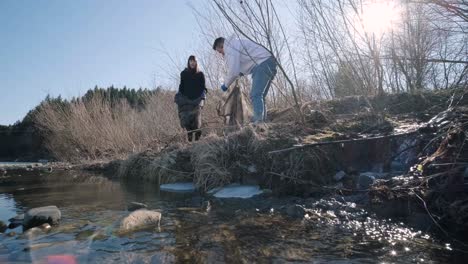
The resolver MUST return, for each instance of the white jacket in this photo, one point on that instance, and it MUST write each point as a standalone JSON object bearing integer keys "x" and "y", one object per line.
{"x": 242, "y": 55}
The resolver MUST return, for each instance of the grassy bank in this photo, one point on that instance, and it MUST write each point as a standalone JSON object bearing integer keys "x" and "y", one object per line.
{"x": 293, "y": 155}
{"x": 245, "y": 156}
{"x": 430, "y": 146}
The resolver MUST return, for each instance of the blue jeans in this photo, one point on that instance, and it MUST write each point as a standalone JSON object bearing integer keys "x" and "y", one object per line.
{"x": 262, "y": 76}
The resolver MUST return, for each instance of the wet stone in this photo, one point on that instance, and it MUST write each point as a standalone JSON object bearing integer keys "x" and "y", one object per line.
{"x": 40, "y": 215}
{"x": 140, "y": 219}
{"x": 16, "y": 221}
{"x": 3, "y": 227}
{"x": 18, "y": 218}
{"x": 296, "y": 211}
{"x": 14, "y": 225}
{"x": 365, "y": 180}
{"x": 339, "y": 175}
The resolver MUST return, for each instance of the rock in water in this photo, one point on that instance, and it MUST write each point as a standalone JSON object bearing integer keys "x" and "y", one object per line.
{"x": 339, "y": 175}
{"x": 14, "y": 225}
{"x": 18, "y": 218}
{"x": 133, "y": 206}
{"x": 140, "y": 219}
{"x": 3, "y": 227}
{"x": 16, "y": 221}
{"x": 296, "y": 211}
{"x": 365, "y": 181}
{"x": 41, "y": 215}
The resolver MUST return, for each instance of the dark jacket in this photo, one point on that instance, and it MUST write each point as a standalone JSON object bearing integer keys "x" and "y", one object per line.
{"x": 189, "y": 111}
{"x": 192, "y": 84}
{"x": 185, "y": 104}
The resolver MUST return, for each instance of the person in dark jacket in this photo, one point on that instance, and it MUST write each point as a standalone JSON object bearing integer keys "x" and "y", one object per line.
{"x": 191, "y": 98}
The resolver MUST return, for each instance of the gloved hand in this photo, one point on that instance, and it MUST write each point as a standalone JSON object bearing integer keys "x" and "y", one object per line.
{"x": 224, "y": 87}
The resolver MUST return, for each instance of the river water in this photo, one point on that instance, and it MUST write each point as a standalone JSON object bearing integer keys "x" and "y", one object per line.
{"x": 233, "y": 231}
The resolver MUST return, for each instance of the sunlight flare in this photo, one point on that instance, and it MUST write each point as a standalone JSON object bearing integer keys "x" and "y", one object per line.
{"x": 378, "y": 17}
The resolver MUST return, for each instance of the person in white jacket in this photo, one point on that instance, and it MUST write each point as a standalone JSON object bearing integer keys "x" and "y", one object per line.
{"x": 245, "y": 57}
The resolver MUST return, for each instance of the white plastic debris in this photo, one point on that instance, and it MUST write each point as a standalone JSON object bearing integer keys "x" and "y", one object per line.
{"x": 178, "y": 187}
{"x": 238, "y": 191}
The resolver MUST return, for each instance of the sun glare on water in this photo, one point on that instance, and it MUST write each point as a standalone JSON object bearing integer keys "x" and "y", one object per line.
{"x": 378, "y": 17}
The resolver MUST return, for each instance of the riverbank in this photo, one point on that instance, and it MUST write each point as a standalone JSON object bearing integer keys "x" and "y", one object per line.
{"x": 383, "y": 153}
{"x": 355, "y": 149}
{"x": 352, "y": 135}
{"x": 14, "y": 168}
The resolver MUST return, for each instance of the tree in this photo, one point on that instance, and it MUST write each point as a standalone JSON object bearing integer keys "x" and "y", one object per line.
{"x": 345, "y": 84}
{"x": 454, "y": 8}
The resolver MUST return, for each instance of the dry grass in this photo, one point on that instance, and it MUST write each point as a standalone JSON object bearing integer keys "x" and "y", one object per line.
{"x": 210, "y": 116}
{"x": 216, "y": 160}
{"x": 165, "y": 167}
{"x": 95, "y": 129}
{"x": 239, "y": 157}
{"x": 210, "y": 163}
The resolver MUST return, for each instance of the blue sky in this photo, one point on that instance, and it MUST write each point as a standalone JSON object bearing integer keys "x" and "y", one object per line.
{"x": 65, "y": 47}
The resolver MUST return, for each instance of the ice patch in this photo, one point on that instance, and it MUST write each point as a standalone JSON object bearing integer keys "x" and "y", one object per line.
{"x": 178, "y": 187}
{"x": 238, "y": 191}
